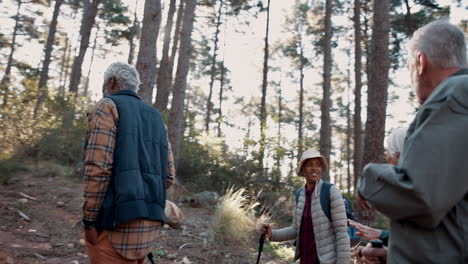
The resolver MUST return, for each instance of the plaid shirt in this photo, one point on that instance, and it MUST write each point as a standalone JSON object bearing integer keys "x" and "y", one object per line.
{"x": 133, "y": 239}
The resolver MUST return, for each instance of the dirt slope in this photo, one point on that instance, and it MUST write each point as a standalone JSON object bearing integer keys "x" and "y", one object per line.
{"x": 52, "y": 235}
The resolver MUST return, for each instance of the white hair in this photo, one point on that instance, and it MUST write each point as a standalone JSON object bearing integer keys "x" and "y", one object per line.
{"x": 125, "y": 75}
{"x": 443, "y": 43}
{"x": 396, "y": 140}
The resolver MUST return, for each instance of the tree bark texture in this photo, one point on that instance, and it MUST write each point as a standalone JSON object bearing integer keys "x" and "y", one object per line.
{"x": 43, "y": 91}
{"x": 5, "y": 83}
{"x": 378, "y": 85}
{"x": 165, "y": 88}
{"x": 263, "y": 113}
{"x": 300, "y": 137}
{"x": 176, "y": 117}
{"x": 133, "y": 34}
{"x": 209, "y": 104}
{"x": 146, "y": 62}
{"x": 221, "y": 91}
{"x": 357, "y": 154}
{"x": 164, "y": 72}
{"x": 325, "y": 128}
{"x": 89, "y": 17}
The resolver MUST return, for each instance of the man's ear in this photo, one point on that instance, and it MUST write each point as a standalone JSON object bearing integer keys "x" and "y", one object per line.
{"x": 421, "y": 62}
{"x": 112, "y": 83}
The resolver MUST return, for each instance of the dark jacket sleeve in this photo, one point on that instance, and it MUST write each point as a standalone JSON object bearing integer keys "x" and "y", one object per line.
{"x": 431, "y": 177}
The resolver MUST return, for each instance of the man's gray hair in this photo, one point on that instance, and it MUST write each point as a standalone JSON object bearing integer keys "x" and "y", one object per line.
{"x": 126, "y": 76}
{"x": 443, "y": 43}
{"x": 396, "y": 140}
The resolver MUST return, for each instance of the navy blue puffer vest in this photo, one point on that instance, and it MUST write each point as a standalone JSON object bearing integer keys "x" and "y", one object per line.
{"x": 138, "y": 185}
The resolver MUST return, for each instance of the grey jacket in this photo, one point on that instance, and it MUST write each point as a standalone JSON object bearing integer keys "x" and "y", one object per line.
{"x": 331, "y": 238}
{"x": 426, "y": 195}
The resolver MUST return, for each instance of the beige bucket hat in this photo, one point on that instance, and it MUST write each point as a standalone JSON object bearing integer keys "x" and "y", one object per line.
{"x": 310, "y": 154}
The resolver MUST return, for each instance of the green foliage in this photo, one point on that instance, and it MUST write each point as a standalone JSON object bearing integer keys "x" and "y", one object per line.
{"x": 280, "y": 251}
{"x": 26, "y": 137}
{"x": 10, "y": 167}
{"x": 403, "y": 24}
{"x": 205, "y": 164}
{"x": 23, "y": 207}
{"x": 113, "y": 13}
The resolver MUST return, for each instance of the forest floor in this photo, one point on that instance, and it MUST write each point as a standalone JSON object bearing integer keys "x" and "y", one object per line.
{"x": 52, "y": 235}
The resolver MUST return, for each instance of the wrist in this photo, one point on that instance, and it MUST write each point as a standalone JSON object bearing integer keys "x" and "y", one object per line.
{"x": 87, "y": 225}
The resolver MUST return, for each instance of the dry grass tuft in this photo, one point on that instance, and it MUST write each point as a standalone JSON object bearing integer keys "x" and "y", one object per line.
{"x": 234, "y": 218}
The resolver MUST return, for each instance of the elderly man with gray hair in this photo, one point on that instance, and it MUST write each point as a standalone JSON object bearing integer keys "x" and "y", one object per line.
{"x": 126, "y": 169}
{"x": 426, "y": 194}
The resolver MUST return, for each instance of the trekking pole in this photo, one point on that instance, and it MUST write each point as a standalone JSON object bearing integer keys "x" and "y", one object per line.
{"x": 151, "y": 257}
{"x": 260, "y": 247}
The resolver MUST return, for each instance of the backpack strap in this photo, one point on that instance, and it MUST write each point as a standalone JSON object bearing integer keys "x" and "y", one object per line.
{"x": 325, "y": 199}
{"x": 297, "y": 194}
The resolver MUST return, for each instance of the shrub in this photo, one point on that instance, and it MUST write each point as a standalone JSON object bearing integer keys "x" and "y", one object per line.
{"x": 283, "y": 251}
{"x": 8, "y": 168}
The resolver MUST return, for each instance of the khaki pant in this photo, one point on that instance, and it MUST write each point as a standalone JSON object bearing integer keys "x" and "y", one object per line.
{"x": 102, "y": 252}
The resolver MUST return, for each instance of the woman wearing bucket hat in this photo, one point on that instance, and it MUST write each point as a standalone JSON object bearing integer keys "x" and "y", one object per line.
{"x": 320, "y": 239}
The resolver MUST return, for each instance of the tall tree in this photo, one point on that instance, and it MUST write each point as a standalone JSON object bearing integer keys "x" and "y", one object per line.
{"x": 357, "y": 154}
{"x": 349, "y": 133}
{"x": 146, "y": 63}
{"x": 221, "y": 97}
{"x": 176, "y": 114}
{"x": 93, "y": 51}
{"x": 133, "y": 33}
{"x": 67, "y": 67}
{"x": 209, "y": 104}
{"x": 64, "y": 63}
{"x": 5, "y": 83}
{"x": 43, "y": 91}
{"x": 164, "y": 90}
{"x": 263, "y": 113}
{"x": 87, "y": 23}
{"x": 325, "y": 127}
{"x": 162, "y": 84}
{"x": 378, "y": 84}
{"x": 294, "y": 49}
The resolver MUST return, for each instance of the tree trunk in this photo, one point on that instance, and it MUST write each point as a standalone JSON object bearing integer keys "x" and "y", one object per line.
{"x": 93, "y": 51}
{"x": 209, "y": 105}
{"x": 146, "y": 63}
{"x": 378, "y": 84}
{"x": 43, "y": 91}
{"x": 165, "y": 88}
{"x": 357, "y": 156}
{"x": 325, "y": 128}
{"x": 164, "y": 71}
{"x": 409, "y": 24}
{"x": 300, "y": 139}
{"x": 133, "y": 32}
{"x": 280, "y": 116}
{"x": 5, "y": 83}
{"x": 62, "y": 69}
{"x": 349, "y": 132}
{"x": 89, "y": 16}
{"x": 67, "y": 67}
{"x": 366, "y": 37}
{"x": 180, "y": 85}
{"x": 221, "y": 91}
{"x": 263, "y": 113}
{"x": 247, "y": 138}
